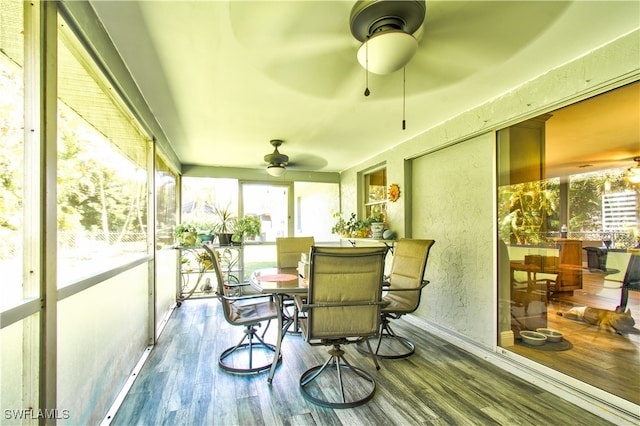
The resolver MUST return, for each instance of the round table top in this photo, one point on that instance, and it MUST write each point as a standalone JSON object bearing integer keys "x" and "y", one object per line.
{"x": 276, "y": 277}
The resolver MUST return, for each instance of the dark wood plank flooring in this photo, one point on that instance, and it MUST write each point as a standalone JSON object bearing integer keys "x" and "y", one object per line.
{"x": 439, "y": 385}
{"x": 604, "y": 359}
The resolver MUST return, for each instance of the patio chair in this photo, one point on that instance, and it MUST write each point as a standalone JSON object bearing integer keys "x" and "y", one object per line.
{"x": 631, "y": 280}
{"x": 402, "y": 296}
{"x": 247, "y": 311}
{"x": 342, "y": 307}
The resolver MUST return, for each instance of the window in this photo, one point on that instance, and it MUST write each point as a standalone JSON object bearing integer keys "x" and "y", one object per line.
{"x": 19, "y": 350}
{"x": 202, "y": 196}
{"x": 102, "y": 177}
{"x": 375, "y": 193}
{"x": 166, "y": 203}
{"x": 11, "y": 152}
{"x": 561, "y": 189}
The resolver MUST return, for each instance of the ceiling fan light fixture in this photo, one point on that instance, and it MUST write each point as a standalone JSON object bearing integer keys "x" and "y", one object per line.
{"x": 387, "y": 51}
{"x": 385, "y": 28}
{"x": 276, "y": 170}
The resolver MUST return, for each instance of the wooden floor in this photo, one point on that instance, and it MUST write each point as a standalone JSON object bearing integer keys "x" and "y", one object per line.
{"x": 606, "y": 360}
{"x": 181, "y": 384}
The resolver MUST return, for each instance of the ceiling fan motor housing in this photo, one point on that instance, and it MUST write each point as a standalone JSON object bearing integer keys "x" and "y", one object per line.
{"x": 369, "y": 17}
{"x": 276, "y": 158}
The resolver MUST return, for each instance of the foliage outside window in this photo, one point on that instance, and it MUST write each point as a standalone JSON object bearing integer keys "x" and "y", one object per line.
{"x": 11, "y": 153}
{"x": 101, "y": 171}
{"x": 165, "y": 203}
{"x": 588, "y": 210}
{"x": 527, "y": 211}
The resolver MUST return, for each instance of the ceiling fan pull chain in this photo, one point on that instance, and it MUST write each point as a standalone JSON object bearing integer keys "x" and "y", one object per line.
{"x": 404, "y": 97}
{"x": 366, "y": 71}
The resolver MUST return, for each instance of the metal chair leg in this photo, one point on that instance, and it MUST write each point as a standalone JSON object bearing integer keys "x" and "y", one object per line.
{"x": 314, "y": 392}
{"x": 249, "y": 334}
{"x": 403, "y": 347}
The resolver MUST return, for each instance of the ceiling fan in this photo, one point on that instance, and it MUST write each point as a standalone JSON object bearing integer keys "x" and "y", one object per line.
{"x": 310, "y": 46}
{"x": 276, "y": 162}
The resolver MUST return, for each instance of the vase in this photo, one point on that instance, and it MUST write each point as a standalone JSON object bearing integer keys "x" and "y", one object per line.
{"x": 377, "y": 228}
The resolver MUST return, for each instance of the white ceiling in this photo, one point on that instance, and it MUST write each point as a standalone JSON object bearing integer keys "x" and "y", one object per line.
{"x": 225, "y": 77}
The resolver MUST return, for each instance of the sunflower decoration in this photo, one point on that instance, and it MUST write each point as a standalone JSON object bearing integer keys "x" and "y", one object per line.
{"x": 394, "y": 192}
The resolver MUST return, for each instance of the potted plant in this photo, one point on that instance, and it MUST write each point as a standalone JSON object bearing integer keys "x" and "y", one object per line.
{"x": 246, "y": 227}
{"x": 206, "y": 231}
{"x": 343, "y": 227}
{"x": 204, "y": 261}
{"x": 224, "y": 228}
{"x": 186, "y": 234}
{"x": 350, "y": 228}
{"x": 376, "y": 223}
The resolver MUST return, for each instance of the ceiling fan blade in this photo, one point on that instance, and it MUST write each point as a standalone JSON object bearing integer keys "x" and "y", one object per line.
{"x": 453, "y": 44}
{"x": 306, "y": 46}
{"x": 308, "y": 162}
{"x": 293, "y": 28}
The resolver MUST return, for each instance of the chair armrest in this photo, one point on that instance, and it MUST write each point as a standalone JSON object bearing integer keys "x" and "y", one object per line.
{"x": 422, "y": 285}
{"x": 246, "y": 297}
{"x": 306, "y": 306}
{"x": 299, "y": 302}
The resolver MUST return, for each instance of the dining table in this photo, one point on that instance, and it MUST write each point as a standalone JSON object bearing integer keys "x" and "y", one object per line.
{"x": 281, "y": 283}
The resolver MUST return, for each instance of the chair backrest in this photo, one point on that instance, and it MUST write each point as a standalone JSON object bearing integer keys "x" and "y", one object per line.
{"x": 631, "y": 279}
{"x": 220, "y": 288}
{"x": 345, "y": 291}
{"x": 596, "y": 258}
{"x": 407, "y": 272}
{"x": 545, "y": 263}
{"x": 288, "y": 250}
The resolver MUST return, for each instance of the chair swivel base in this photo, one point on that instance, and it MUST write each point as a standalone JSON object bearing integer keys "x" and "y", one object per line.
{"x": 354, "y": 385}
{"x": 388, "y": 344}
{"x": 389, "y": 347}
{"x": 243, "y": 362}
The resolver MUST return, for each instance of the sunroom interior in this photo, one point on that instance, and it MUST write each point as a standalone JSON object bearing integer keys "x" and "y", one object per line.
{"x": 100, "y": 168}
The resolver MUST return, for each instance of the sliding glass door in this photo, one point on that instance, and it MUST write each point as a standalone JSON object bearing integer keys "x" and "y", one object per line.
{"x": 269, "y": 203}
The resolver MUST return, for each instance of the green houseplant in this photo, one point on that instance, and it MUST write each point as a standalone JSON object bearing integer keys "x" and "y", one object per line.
{"x": 186, "y": 234}
{"x": 224, "y": 227}
{"x": 246, "y": 227}
{"x": 351, "y": 227}
{"x": 206, "y": 231}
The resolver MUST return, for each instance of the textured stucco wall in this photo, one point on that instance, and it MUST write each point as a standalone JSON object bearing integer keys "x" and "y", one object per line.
{"x": 454, "y": 178}
{"x": 452, "y": 204}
